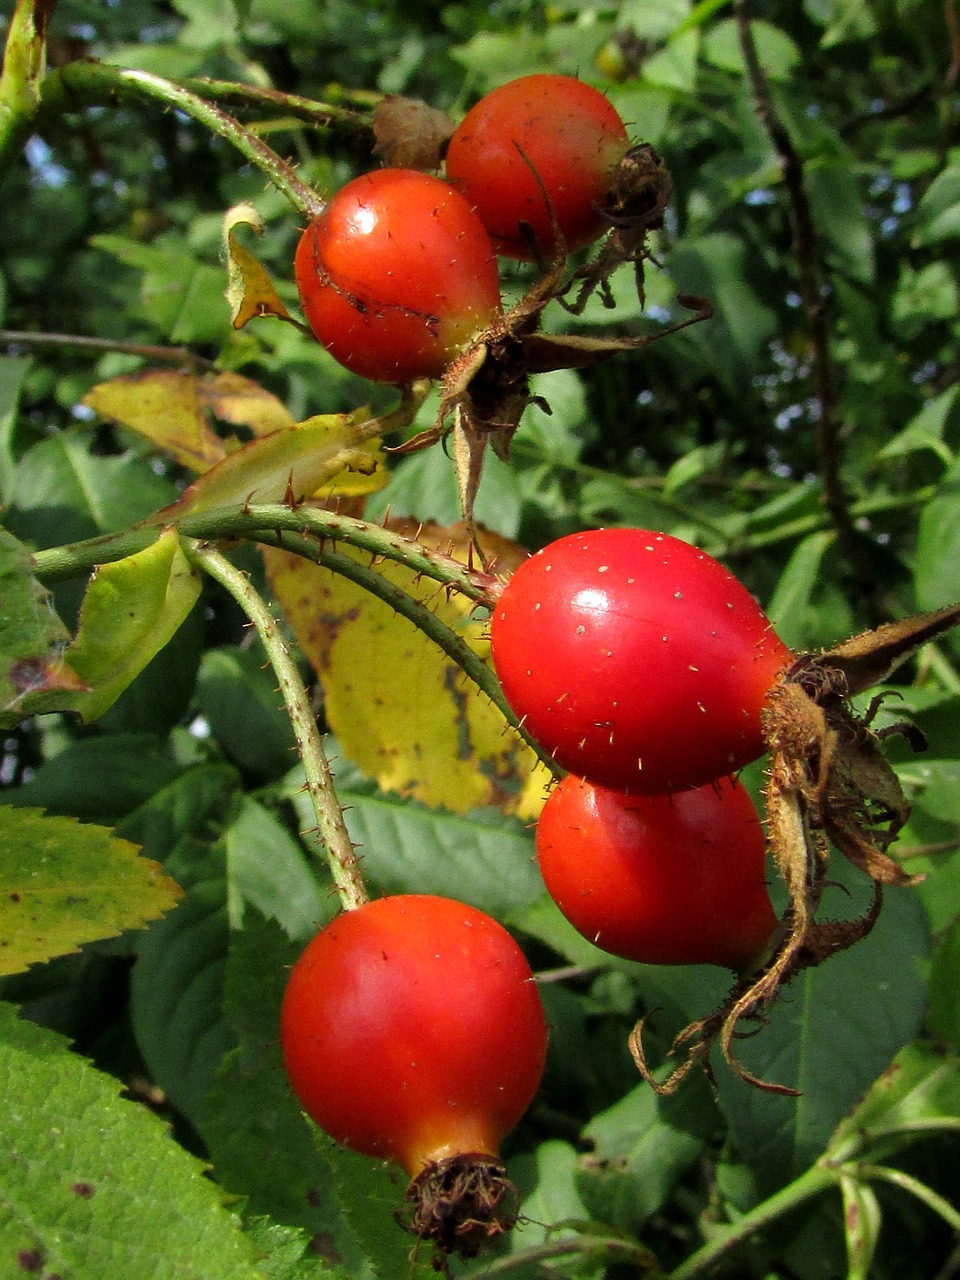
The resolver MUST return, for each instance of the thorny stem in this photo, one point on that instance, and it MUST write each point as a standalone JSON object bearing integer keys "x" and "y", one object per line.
{"x": 809, "y": 261}
{"x": 424, "y": 619}
{"x": 331, "y": 829}
{"x": 75, "y": 559}
{"x": 293, "y": 105}
{"x": 312, "y": 532}
{"x": 95, "y": 81}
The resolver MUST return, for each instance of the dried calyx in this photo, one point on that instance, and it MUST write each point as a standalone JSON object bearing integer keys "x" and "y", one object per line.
{"x": 829, "y": 786}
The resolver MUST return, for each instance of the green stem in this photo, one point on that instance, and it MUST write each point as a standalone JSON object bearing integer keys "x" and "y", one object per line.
{"x": 611, "y": 1248}
{"x": 181, "y": 356}
{"x": 907, "y": 1182}
{"x": 817, "y": 1179}
{"x": 76, "y": 559}
{"x": 417, "y": 613}
{"x": 308, "y": 110}
{"x": 80, "y": 82}
{"x": 330, "y": 829}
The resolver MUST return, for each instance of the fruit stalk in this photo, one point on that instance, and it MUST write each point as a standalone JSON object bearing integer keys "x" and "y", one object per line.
{"x": 331, "y": 828}
{"x": 95, "y": 81}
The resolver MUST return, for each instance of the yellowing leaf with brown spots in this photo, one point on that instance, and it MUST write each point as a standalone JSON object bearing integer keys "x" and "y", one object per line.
{"x": 399, "y": 707}
{"x": 175, "y": 410}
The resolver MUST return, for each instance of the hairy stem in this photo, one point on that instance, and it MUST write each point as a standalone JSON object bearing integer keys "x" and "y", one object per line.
{"x": 274, "y": 519}
{"x": 330, "y": 829}
{"x": 80, "y": 82}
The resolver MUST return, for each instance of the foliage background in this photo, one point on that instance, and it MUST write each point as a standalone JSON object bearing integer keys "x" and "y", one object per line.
{"x": 827, "y": 477}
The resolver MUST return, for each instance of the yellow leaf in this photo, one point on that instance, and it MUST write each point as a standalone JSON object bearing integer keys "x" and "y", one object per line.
{"x": 166, "y": 407}
{"x": 287, "y": 465}
{"x": 172, "y": 409}
{"x": 400, "y": 708}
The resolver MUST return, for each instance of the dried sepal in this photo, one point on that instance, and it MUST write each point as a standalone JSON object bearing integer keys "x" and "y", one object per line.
{"x": 829, "y": 786}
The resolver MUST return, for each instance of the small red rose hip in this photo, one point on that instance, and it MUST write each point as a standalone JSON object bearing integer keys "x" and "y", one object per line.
{"x": 540, "y": 144}
{"x": 665, "y": 879}
{"x": 397, "y": 276}
{"x": 413, "y": 1031}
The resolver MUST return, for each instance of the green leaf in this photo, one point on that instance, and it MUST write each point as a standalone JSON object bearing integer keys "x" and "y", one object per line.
{"x": 799, "y": 584}
{"x": 480, "y": 858}
{"x": 33, "y": 673}
{"x": 266, "y": 868}
{"x": 91, "y": 1185}
{"x": 778, "y": 53}
{"x": 938, "y": 211}
{"x": 926, "y": 429}
{"x": 184, "y": 298}
{"x": 13, "y": 371}
{"x": 92, "y": 778}
{"x": 238, "y": 696}
{"x": 371, "y": 1192}
{"x": 63, "y": 883}
{"x": 642, "y": 1146}
{"x": 839, "y": 212}
{"x": 177, "y": 983}
{"x": 944, "y": 1016}
{"x": 131, "y": 609}
{"x": 830, "y": 1035}
{"x": 918, "y": 1093}
{"x": 936, "y": 579}
{"x": 550, "y": 1197}
{"x": 715, "y": 266}
{"x": 260, "y": 1144}
{"x": 64, "y": 492}
{"x": 675, "y": 66}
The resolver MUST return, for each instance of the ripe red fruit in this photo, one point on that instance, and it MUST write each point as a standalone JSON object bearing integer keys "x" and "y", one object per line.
{"x": 397, "y": 275}
{"x": 412, "y": 1031}
{"x": 636, "y": 659}
{"x": 540, "y": 142}
{"x": 665, "y": 879}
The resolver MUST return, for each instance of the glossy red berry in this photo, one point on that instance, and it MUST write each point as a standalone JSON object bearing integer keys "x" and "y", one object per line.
{"x": 540, "y": 145}
{"x": 397, "y": 275}
{"x": 637, "y": 660}
{"x": 664, "y": 879}
{"x": 412, "y": 1030}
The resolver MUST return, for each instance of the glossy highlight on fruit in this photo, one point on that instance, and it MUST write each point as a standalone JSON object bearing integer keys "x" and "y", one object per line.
{"x": 538, "y": 143}
{"x": 663, "y": 879}
{"x": 635, "y": 659}
{"x": 413, "y": 1031}
{"x": 397, "y": 275}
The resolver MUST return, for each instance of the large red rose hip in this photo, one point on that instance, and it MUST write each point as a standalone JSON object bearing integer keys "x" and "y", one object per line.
{"x": 539, "y": 149}
{"x": 635, "y": 659}
{"x": 664, "y": 879}
{"x": 397, "y": 276}
{"x": 412, "y": 1030}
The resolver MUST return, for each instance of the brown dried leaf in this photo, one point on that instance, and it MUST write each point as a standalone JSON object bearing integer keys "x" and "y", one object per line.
{"x": 871, "y": 656}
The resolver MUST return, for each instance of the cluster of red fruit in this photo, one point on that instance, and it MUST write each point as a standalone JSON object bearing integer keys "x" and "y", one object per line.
{"x": 642, "y": 664}
{"x": 412, "y": 1029}
{"x": 398, "y": 274}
